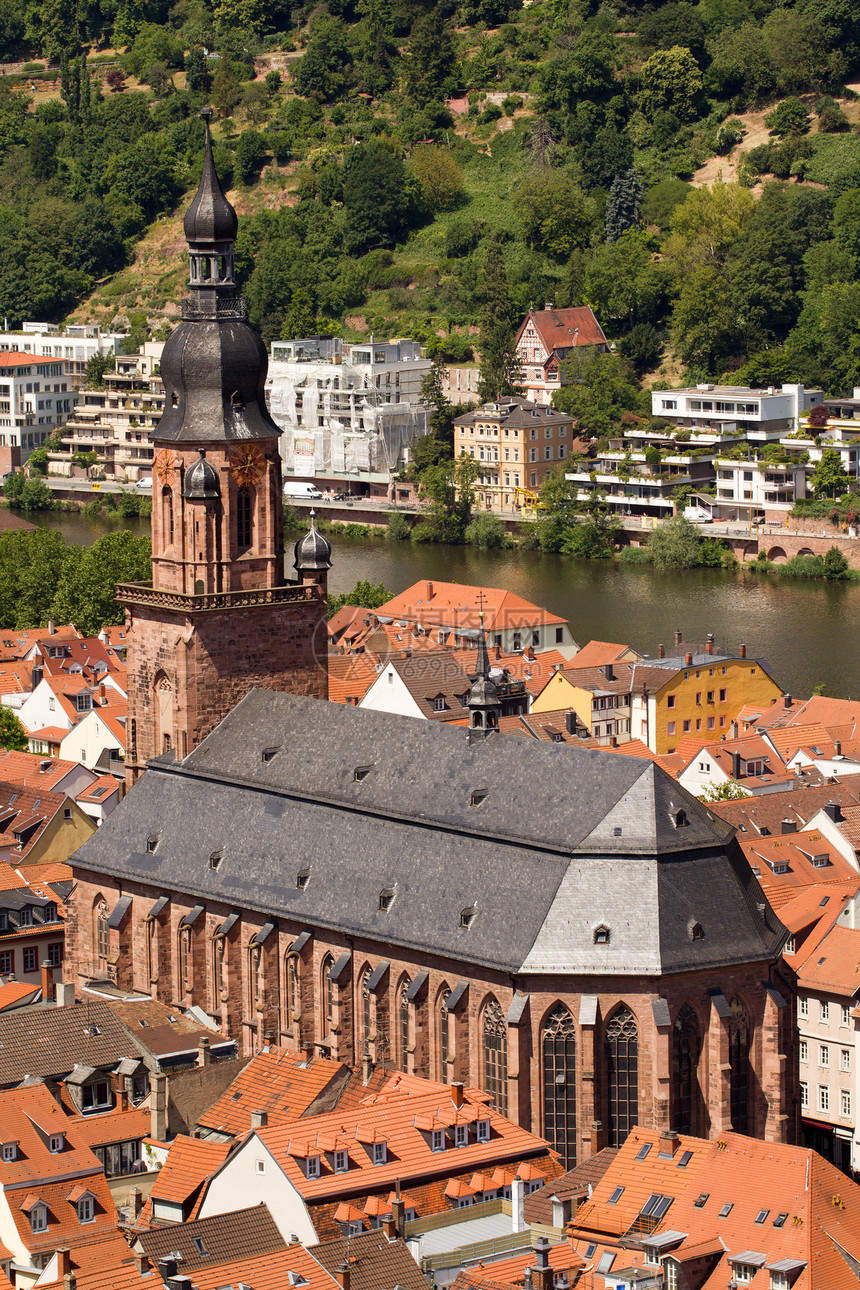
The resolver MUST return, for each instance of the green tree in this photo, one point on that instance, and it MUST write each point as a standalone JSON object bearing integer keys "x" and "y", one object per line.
{"x": 705, "y": 330}
{"x": 13, "y": 736}
{"x": 623, "y": 205}
{"x": 300, "y": 319}
{"x": 706, "y": 226}
{"x": 30, "y": 567}
{"x": 790, "y": 117}
{"x": 729, "y": 791}
{"x": 835, "y": 565}
{"x": 557, "y": 216}
{"x": 38, "y": 461}
{"x": 250, "y": 155}
{"x": 441, "y": 409}
{"x": 449, "y": 487}
{"x": 243, "y": 18}
{"x": 429, "y": 60}
{"x": 671, "y": 82}
{"x": 381, "y": 199}
{"x": 364, "y": 595}
{"x": 196, "y": 72}
{"x": 37, "y": 496}
{"x": 439, "y": 176}
{"x": 597, "y": 392}
{"x": 226, "y": 92}
{"x": 558, "y": 513}
{"x": 488, "y": 531}
{"x": 86, "y": 590}
{"x": 324, "y": 67}
{"x": 498, "y": 329}
{"x": 377, "y": 46}
{"x": 13, "y": 487}
{"x": 674, "y": 544}
{"x": 829, "y": 478}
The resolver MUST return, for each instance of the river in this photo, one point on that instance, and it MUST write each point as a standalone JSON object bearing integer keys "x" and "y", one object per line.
{"x": 807, "y": 631}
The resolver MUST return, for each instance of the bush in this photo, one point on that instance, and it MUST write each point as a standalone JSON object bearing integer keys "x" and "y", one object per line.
{"x": 835, "y": 565}
{"x": 636, "y": 555}
{"x": 399, "y": 528}
{"x": 492, "y": 112}
{"x": 487, "y": 530}
{"x": 803, "y": 566}
{"x": 37, "y": 496}
{"x": 675, "y": 544}
{"x": 511, "y": 103}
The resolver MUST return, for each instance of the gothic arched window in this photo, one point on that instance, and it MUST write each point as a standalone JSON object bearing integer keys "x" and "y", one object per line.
{"x": 622, "y": 1070}
{"x": 365, "y": 1006}
{"x": 495, "y": 1055}
{"x": 739, "y": 1063}
{"x": 558, "y": 1051}
{"x": 326, "y": 996}
{"x": 403, "y": 1025}
{"x": 167, "y": 516}
{"x": 244, "y": 509}
{"x": 442, "y": 1031}
{"x": 686, "y": 1048}
{"x": 101, "y": 935}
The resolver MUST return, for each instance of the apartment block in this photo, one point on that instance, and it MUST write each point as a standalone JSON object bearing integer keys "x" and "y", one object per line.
{"x": 518, "y": 443}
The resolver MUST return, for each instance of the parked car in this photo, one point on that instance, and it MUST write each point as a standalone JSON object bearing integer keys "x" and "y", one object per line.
{"x": 697, "y": 514}
{"x": 301, "y": 491}
{"x": 144, "y": 485}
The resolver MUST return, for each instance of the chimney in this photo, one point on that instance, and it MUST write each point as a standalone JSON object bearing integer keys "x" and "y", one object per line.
{"x": 166, "y": 1267}
{"x": 429, "y": 590}
{"x": 709, "y": 644}
{"x": 457, "y": 1093}
{"x": 498, "y": 651}
{"x": 669, "y": 1142}
{"x": 613, "y": 741}
{"x": 142, "y": 1263}
{"x": 342, "y": 1275}
{"x": 179, "y": 1282}
{"x": 833, "y": 811}
{"x": 134, "y": 1204}
{"x": 366, "y": 1068}
{"x": 204, "y": 1054}
{"x": 64, "y": 1261}
{"x": 678, "y": 636}
{"x": 661, "y": 651}
{"x": 518, "y": 1196}
{"x": 837, "y": 747}
{"x": 158, "y": 1108}
{"x": 540, "y": 1269}
{"x": 70, "y": 1281}
{"x": 598, "y": 1137}
{"x": 65, "y": 993}
{"x": 530, "y": 651}
{"x": 398, "y": 1213}
{"x": 560, "y": 1212}
{"x": 688, "y": 659}
{"x": 786, "y": 700}
{"x": 102, "y": 692}
{"x": 121, "y": 1100}
{"x": 47, "y": 981}
{"x": 788, "y": 826}
{"x": 388, "y": 1228}
{"x": 733, "y": 730}
{"x": 259, "y": 1119}
{"x": 570, "y": 722}
{"x": 736, "y": 765}
{"x": 609, "y": 672}
{"x": 742, "y": 651}
{"x": 51, "y": 628}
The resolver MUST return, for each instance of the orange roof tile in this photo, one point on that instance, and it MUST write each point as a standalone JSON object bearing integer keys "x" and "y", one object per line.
{"x": 13, "y": 994}
{"x": 189, "y": 1163}
{"x": 282, "y": 1083}
{"x": 32, "y": 770}
{"x": 453, "y": 604}
{"x": 104, "y": 1262}
{"x": 15, "y": 642}
{"x": 598, "y": 653}
{"x": 835, "y": 964}
{"x": 563, "y": 329}
{"x": 15, "y": 358}
{"x": 266, "y": 1272}
{"x": 350, "y": 676}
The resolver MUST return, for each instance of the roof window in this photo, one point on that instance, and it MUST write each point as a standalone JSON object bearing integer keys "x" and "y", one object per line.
{"x": 726, "y": 1210}
{"x": 655, "y": 1206}
{"x": 616, "y": 1196}
{"x": 386, "y": 899}
{"x": 467, "y": 916}
{"x": 761, "y": 1216}
{"x": 269, "y": 754}
{"x": 601, "y": 935}
{"x": 779, "y": 1221}
{"x": 200, "y": 1246}
{"x": 643, "y": 1151}
{"x": 302, "y": 879}
{"x": 686, "y": 1157}
{"x": 701, "y": 1200}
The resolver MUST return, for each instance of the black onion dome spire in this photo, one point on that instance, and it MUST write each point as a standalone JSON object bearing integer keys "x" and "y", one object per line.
{"x": 214, "y": 364}
{"x": 313, "y": 551}
{"x": 210, "y": 217}
{"x": 483, "y": 702}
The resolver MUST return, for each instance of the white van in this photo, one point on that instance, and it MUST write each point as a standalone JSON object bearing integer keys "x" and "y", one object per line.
{"x": 144, "y": 484}
{"x": 300, "y": 491}
{"x": 697, "y": 514}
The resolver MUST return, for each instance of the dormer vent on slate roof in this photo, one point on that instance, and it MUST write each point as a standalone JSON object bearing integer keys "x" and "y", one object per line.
{"x": 152, "y": 844}
{"x": 215, "y": 860}
{"x": 360, "y": 773}
{"x": 269, "y": 754}
{"x": 478, "y": 796}
{"x": 695, "y": 930}
{"x": 386, "y": 898}
{"x": 467, "y": 916}
{"x": 302, "y": 879}
{"x": 679, "y": 820}
{"x": 602, "y": 934}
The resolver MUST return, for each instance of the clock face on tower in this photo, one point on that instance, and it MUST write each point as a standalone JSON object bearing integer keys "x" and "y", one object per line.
{"x": 164, "y": 466}
{"x": 247, "y": 465}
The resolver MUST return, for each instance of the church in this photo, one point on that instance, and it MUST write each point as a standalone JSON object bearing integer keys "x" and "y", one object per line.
{"x": 567, "y": 929}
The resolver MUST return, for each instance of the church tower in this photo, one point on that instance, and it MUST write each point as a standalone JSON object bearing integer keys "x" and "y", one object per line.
{"x": 218, "y": 616}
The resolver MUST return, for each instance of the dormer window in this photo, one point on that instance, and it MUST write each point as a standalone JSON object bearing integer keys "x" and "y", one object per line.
{"x": 312, "y": 1167}
{"x": 56, "y": 1142}
{"x": 437, "y": 1140}
{"x": 215, "y": 860}
{"x": 380, "y": 1153}
{"x": 25, "y": 917}
{"x": 152, "y": 844}
{"x": 386, "y": 899}
{"x": 680, "y": 820}
{"x": 341, "y": 1162}
{"x": 482, "y": 1130}
{"x": 269, "y": 754}
{"x": 39, "y": 1218}
{"x": 83, "y": 702}
{"x": 360, "y": 773}
{"x": 601, "y": 935}
{"x": 467, "y": 916}
{"x": 86, "y": 1211}
{"x": 461, "y": 1135}
{"x": 697, "y": 931}
{"x": 10, "y": 1151}
{"x": 302, "y": 879}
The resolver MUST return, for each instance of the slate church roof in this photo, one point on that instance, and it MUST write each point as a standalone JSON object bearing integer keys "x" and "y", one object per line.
{"x": 547, "y": 846}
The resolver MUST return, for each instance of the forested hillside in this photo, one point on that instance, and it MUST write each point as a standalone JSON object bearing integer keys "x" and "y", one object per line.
{"x": 384, "y": 153}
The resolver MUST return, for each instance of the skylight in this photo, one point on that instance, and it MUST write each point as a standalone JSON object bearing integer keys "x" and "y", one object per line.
{"x": 643, "y": 1150}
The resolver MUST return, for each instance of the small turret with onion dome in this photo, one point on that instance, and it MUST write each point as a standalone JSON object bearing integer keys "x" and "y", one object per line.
{"x": 313, "y": 556}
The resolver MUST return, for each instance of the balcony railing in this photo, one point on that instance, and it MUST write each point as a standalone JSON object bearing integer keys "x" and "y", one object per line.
{"x": 143, "y": 593}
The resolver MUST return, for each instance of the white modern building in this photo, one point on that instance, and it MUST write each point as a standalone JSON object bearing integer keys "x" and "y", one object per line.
{"x": 35, "y": 397}
{"x": 757, "y": 414}
{"x": 346, "y": 409}
{"x": 75, "y": 344}
{"x": 757, "y": 489}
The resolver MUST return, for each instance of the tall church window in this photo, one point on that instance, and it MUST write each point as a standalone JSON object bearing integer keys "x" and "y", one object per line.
{"x": 686, "y": 1048}
{"x": 365, "y": 1008}
{"x": 622, "y": 1070}
{"x": 184, "y": 947}
{"x": 442, "y": 1032}
{"x": 100, "y": 928}
{"x": 217, "y": 970}
{"x": 739, "y": 1063}
{"x": 292, "y": 1006}
{"x": 403, "y": 1025}
{"x": 495, "y": 1055}
{"x": 167, "y": 516}
{"x": 327, "y": 996}
{"x": 558, "y": 1051}
{"x": 244, "y": 507}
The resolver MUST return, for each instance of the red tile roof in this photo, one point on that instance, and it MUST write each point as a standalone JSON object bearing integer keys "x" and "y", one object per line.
{"x": 598, "y": 653}
{"x": 14, "y": 994}
{"x": 14, "y": 358}
{"x": 34, "y": 771}
{"x": 25, "y": 814}
{"x": 350, "y": 676}
{"x": 834, "y": 966}
{"x": 453, "y": 604}
{"x": 282, "y": 1083}
{"x": 562, "y": 329}
{"x": 266, "y": 1272}
{"x": 16, "y": 642}
{"x": 190, "y": 1161}
{"x": 103, "y": 1263}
